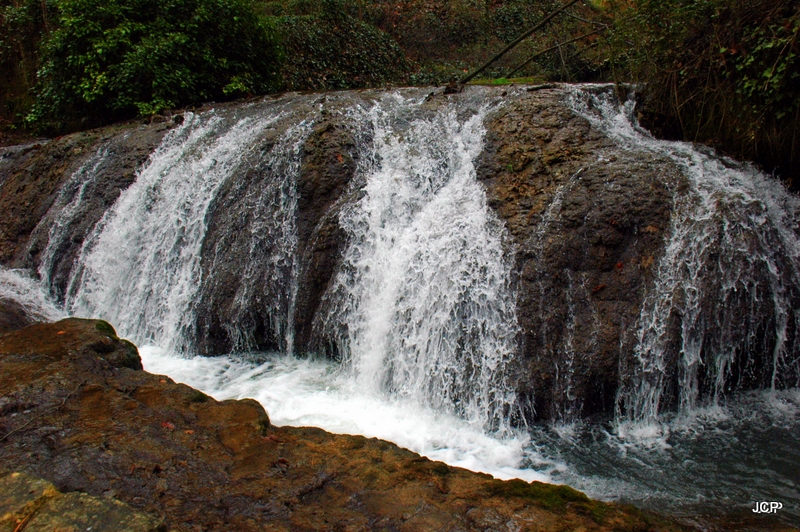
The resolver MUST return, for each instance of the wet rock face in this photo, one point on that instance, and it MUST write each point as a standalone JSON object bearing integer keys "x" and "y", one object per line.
{"x": 587, "y": 222}
{"x": 13, "y": 316}
{"x": 38, "y": 181}
{"x": 330, "y": 157}
{"x": 75, "y": 414}
{"x": 247, "y": 279}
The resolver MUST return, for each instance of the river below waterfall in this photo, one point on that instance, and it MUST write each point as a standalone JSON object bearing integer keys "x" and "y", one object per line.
{"x": 420, "y": 319}
{"x": 715, "y": 462}
{"x": 712, "y": 464}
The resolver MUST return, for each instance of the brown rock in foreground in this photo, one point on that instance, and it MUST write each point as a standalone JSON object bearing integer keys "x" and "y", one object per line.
{"x": 74, "y": 411}
{"x": 33, "y": 504}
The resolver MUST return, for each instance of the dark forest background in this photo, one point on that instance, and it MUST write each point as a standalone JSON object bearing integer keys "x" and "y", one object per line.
{"x": 721, "y": 72}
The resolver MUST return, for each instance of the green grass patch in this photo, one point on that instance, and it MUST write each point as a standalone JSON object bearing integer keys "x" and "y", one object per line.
{"x": 529, "y": 80}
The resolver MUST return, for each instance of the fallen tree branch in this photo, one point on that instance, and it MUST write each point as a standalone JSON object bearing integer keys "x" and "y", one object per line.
{"x": 539, "y": 54}
{"x": 518, "y": 40}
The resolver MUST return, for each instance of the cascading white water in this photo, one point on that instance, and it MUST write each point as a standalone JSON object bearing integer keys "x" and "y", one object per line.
{"x": 729, "y": 276}
{"x": 140, "y": 268}
{"x": 424, "y": 289}
{"x": 65, "y": 208}
{"x": 28, "y": 293}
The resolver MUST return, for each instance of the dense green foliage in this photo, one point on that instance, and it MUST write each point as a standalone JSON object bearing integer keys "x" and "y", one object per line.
{"x": 128, "y": 57}
{"x": 77, "y": 63}
{"x": 722, "y": 72}
{"x": 329, "y": 48}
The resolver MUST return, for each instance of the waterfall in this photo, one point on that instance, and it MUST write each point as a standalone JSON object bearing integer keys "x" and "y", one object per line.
{"x": 424, "y": 290}
{"x": 30, "y": 295}
{"x": 140, "y": 267}
{"x": 727, "y": 287}
{"x": 66, "y": 211}
{"x": 423, "y": 294}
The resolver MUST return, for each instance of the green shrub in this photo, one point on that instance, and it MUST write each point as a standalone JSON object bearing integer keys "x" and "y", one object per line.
{"x": 111, "y": 59}
{"x": 722, "y": 72}
{"x": 331, "y": 49}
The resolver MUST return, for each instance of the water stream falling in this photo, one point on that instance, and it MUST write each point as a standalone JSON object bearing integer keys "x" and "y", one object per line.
{"x": 422, "y": 308}
{"x": 65, "y": 207}
{"x": 424, "y": 290}
{"x": 140, "y": 267}
{"x": 729, "y": 279}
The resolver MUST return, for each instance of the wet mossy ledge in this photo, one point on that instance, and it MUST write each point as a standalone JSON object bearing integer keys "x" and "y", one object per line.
{"x": 77, "y": 412}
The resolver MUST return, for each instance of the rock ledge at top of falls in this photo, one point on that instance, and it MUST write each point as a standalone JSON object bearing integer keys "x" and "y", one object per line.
{"x": 76, "y": 411}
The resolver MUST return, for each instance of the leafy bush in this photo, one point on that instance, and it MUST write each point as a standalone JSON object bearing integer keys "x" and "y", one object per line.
{"x": 331, "y": 49}
{"x": 111, "y": 59}
{"x": 722, "y": 72}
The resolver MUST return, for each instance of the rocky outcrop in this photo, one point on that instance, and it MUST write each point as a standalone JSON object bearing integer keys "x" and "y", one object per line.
{"x": 28, "y": 503}
{"x": 13, "y": 316}
{"x": 76, "y": 412}
{"x": 587, "y": 220}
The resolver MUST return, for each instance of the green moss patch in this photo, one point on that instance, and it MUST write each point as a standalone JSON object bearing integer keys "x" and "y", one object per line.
{"x": 549, "y": 496}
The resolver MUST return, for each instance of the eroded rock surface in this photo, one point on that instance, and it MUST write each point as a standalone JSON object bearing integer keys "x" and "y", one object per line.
{"x": 587, "y": 220}
{"x": 74, "y": 412}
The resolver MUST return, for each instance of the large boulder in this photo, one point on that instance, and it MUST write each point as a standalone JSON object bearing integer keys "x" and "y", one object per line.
{"x": 13, "y": 316}
{"x": 587, "y": 220}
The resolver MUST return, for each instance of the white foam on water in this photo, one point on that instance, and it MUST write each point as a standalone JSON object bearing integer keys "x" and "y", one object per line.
{"x": 303, "y": 392}
{"x": 28, "y": 293}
